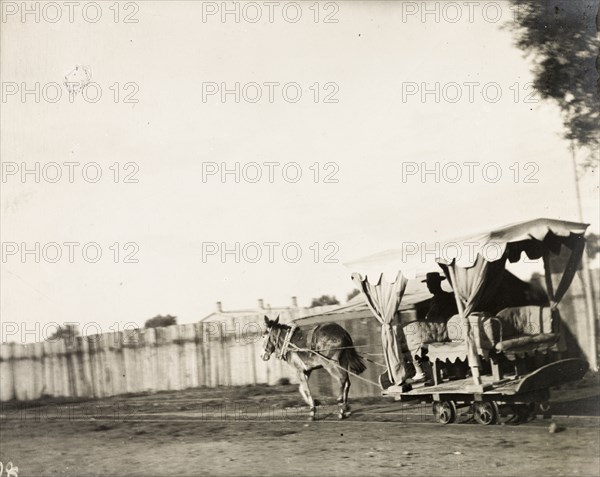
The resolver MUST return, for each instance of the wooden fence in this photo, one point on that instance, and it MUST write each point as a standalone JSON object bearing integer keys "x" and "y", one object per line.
{"x": 109, "y": 364}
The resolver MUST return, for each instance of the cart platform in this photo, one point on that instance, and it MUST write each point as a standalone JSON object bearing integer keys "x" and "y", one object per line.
{"x": 553, "y": 374}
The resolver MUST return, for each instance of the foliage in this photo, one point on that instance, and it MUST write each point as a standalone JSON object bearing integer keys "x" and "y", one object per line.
{"x": 159, "y": 321}
{"x": 592, "y": 244}
{"x": 560, "y": 35}
{"x": 324, "y": 300}
{"x": 66, "y": 332}
{"x": 352, "y": 294}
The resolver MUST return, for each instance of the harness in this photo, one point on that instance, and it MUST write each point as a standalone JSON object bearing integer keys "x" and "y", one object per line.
{"x": 286, "y": 341}
{"x": 282, "y": 352}
{"x": 310, "y": 339}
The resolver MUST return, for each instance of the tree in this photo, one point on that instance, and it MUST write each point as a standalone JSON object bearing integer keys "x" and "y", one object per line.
{"x": 352, "y": 294}
{"x": 66, "y": 332}
{"x": 159, "y": 321}
{"x": 560, "y": 35}
{"x": 324, "y": 300}
{"x": 592, "y": 245}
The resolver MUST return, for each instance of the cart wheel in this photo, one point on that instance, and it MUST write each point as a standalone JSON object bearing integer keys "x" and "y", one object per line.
{"x": 444, "y": 412}
{"x": 485, "y": 412}
{"x": 523, "y": 412}
{"x": 531, "y": 409}
{"x": 545, "y": 409}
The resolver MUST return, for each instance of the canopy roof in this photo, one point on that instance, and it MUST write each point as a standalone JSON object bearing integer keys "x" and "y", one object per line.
{"x": 532, "y": 237}
{"x": 416, "y": 294}
{"x": 475, "y": 267}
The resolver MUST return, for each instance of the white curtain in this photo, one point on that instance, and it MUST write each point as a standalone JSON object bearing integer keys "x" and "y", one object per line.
{"x": 474, "y": 285}
{"x": 577, "y": 248}
{"x": 383, "y": 299}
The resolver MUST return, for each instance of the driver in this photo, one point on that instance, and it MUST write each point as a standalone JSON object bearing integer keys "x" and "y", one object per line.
{"x": 443, "y": 307}
{"x": 443, "y": 303}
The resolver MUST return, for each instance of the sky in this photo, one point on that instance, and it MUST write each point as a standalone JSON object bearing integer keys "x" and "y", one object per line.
{"x": 362, "y": 121}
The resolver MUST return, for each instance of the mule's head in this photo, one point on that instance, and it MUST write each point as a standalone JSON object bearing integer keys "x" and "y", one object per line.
{"x": 269, "y": 338}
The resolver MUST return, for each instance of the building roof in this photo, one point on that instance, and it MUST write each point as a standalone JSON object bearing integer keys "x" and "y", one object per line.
{"x": 286, "y": 313}
{"x": 215, "y": 315}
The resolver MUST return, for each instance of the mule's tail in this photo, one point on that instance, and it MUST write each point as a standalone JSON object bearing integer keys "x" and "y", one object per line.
{"x": 351, "y": 360}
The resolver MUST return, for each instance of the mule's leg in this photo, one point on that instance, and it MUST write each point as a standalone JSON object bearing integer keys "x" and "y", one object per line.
{"x": 343, "y": 378}
{"x": 305, "y": 392}
{"x": 346, "y": 391}
{"x": 344, "y": 407}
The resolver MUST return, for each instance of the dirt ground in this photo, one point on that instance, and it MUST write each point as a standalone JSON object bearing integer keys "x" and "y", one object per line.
{"x": 264, "y": 431}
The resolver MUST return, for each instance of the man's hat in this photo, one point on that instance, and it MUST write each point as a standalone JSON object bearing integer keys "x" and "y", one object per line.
{"x": 433, "y": 277}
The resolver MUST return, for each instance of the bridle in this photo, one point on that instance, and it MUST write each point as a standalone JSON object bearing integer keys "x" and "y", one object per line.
{"x": 267, "y": 354}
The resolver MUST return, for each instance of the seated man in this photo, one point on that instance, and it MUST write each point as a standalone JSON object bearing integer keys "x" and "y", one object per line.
{"x": 443, "y": 303}
{"x": 442, "y": 308}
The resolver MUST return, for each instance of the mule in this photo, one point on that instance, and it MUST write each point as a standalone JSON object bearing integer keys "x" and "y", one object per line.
{"x": 327, "y": 346}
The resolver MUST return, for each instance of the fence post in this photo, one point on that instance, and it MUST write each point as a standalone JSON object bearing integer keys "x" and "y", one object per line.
{"x": 38, "y": 369}
{"x": 7, "y": 386}
{"x": 201, "y": 359}
{"x": 151, "y": 371}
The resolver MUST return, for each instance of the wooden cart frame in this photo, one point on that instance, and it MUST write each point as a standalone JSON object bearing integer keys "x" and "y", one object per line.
{"x": 483, "y": 395}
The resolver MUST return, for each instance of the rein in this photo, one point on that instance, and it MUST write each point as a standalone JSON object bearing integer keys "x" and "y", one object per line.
{"x": 287, "y": 345}
{"x": 334, "y": 363}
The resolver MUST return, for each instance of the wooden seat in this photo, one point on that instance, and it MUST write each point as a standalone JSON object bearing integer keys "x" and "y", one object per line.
{"x": 513, "y": 333}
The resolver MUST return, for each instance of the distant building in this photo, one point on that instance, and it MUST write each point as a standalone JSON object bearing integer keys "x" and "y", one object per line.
{"x": 235, "y": 318}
